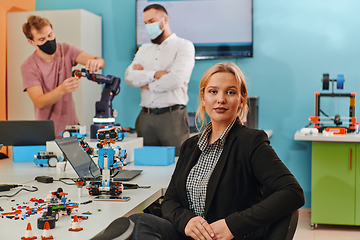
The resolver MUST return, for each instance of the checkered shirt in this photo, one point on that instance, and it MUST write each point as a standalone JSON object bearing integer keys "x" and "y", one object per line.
{"x": 198, "y": 178}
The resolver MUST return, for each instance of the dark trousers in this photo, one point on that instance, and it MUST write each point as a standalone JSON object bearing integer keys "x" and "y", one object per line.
{"x": 165, "y": 129}
{"x": 151, "y": 227}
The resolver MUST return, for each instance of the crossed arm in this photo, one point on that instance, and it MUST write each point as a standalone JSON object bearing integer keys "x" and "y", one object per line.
{"x": 157, "y": 75}
{"x": 165, "y": 79}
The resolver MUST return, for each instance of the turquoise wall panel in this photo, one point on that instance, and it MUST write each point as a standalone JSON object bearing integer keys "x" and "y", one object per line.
{"x": 295, "y": 42}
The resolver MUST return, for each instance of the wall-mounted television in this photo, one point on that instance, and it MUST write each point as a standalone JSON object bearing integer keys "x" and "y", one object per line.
{"x": 218, "y": 28}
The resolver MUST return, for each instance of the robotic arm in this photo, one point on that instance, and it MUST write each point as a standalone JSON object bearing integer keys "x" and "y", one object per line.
{"x": 103, "y": 108}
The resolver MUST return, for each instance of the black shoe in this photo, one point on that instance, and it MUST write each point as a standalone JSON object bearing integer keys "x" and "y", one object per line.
{"x": 119, "y": 229}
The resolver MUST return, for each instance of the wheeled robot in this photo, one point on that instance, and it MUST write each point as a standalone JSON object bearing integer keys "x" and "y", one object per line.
{"x": 45, "y": 158}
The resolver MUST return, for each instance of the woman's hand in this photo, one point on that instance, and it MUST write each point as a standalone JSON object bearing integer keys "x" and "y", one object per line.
{"x": 222, "y": 232}
{"x": 198, "y": 228}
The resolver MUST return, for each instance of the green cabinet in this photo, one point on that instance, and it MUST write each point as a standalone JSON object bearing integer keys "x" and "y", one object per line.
{"x": 335, "y": 183}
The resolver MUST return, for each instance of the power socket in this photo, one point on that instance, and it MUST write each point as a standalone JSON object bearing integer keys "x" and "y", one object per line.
{"x": 44, "y": 179}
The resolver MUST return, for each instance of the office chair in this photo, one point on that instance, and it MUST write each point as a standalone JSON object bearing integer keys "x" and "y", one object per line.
{"x": 282, "y": 229}
{"x": 2, "y": 155}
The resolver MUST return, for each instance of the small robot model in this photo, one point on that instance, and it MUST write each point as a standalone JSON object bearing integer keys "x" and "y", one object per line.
{"x": 74, "y": 130}
{"x": 57, "y": 204}
{"x": 109, "y": 160}
{"x": 110, "y": 134}
{"x": 45, "y": 158}
{"x": 86, "y": 147}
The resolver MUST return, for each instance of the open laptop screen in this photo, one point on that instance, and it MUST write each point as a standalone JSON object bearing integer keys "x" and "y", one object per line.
{"x": 26, "y": 133}
{"x": 83, "y": 165}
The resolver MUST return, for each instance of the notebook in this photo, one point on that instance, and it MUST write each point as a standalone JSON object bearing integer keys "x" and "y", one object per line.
{"x": 82, "y": 163}
{"x": 26, "y": 133}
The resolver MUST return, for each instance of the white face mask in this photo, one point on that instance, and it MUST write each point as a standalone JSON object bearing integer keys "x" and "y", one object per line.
{"x": 153, "y": 30}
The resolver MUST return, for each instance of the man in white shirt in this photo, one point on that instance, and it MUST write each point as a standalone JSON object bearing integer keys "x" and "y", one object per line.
{"x": 162, "y": 70}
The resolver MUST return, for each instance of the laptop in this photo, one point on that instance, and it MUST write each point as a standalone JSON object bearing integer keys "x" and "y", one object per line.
{"x": 26, "y": 133}
{"x": 82, "y": 163}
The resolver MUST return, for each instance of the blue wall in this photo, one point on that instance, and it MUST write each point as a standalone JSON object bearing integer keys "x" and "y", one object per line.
{"x": 295, "y": 43}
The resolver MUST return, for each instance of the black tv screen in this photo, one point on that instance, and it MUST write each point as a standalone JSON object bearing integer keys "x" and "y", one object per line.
{"x": 217, "y": 28}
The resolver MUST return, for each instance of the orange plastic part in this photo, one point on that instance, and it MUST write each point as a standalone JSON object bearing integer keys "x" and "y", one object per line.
{"x": 336, "y": 130}
{"x": 11, "y": 213}
{"x": 28, "y": 233}
{"x": 77, "y": 73}
{"x": 353, "y": 120}
{"x": 314, "y": 119}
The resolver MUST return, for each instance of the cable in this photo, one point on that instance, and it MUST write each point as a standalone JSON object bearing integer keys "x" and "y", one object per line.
{"x": 117, "y": 91}
{"x": 326, "y": 114}
{"x": 23, "y": 188}
{"x": 117, "y": 172}
{"x": 62, "y": 180}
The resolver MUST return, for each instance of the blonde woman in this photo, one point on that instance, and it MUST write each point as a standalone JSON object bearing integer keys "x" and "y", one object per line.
{"x": 216, "y": 191}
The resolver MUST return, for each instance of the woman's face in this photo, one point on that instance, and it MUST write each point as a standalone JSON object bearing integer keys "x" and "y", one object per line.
{"x": 222, "y": 98}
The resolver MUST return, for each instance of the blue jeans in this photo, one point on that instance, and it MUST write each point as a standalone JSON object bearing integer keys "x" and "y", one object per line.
{"x": 151, "y": 227}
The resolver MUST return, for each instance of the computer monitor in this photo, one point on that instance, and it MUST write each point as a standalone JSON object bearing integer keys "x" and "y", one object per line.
{"x": 26, "y": 133}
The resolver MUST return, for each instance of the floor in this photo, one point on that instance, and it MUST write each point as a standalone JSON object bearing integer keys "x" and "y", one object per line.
{"x": 323, "y": 232}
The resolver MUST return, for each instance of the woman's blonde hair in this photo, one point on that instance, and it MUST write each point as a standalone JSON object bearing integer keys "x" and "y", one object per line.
{"x": 224, "y": 67}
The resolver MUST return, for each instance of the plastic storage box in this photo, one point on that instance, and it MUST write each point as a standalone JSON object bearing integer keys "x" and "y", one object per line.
{"x": 154, "y": 156}
{"x": 26, "y": 153}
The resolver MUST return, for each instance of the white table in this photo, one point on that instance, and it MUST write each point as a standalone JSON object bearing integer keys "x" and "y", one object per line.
{"x": 350, "y": 137}
{"x": 24, "y": 173}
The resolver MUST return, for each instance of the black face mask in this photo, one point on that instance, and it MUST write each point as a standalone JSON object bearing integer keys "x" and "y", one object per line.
{"x": 49, "y": 47}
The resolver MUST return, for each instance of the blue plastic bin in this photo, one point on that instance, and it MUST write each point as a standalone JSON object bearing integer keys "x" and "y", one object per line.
{"x": 26, "y": 153}
{"x": 154, "y": 156}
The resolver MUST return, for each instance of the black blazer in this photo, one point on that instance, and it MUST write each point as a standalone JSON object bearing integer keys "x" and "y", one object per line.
{"x": 247, "y": 164}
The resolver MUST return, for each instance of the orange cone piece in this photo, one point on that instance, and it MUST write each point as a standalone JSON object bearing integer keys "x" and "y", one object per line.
{"x": 46, "y": 233}
{"x": 75, "y": 225}
{"x": 28, "y": 233}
